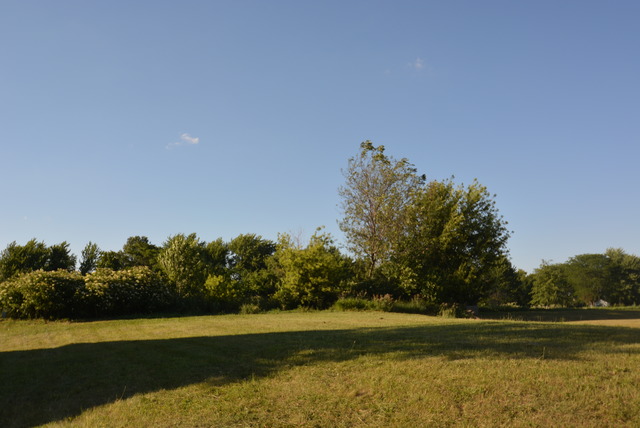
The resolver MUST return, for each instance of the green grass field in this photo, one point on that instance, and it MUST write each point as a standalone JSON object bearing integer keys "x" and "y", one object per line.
{"x": 325, "y": 369}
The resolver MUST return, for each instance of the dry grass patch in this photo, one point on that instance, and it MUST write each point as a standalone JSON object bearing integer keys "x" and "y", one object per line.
{"x": 319, "y": 369}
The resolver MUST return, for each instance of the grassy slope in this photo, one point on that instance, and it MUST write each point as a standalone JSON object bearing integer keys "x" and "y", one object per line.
{"x": 318, "y": 369}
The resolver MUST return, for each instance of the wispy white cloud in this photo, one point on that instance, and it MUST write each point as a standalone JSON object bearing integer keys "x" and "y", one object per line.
{"x": 185, "y": 140}
{"x": 188, "y": 139}
{"x": 418, "y": 64}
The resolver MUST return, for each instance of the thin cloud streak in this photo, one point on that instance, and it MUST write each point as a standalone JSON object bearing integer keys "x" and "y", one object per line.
{"x": 185, "y": 140}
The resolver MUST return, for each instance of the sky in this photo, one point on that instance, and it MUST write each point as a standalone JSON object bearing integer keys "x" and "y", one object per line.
{"x": 219, "y": 118}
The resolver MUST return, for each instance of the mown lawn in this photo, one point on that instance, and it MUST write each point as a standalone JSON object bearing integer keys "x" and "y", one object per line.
{"x": 328, "y": 369}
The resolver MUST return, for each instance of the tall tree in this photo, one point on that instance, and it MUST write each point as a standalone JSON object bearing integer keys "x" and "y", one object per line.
{"x": 247, "y": 261}
{"x": 375, "y": 198}
{"x": 239, "y": 270}
{"x": 456, "y": 241}
{"x": 60, "y": 257}
{"x": 218, "y": 254}
{"x": 509, "y": 285}
{"x": 551, "y": 286}
{"x": 625, "y": 275}
{"x": 140, "y": 252}
{"x": 17, "y": 259}
{"x": 591, "y": 277}
{"x": 184, "y": 260}
{"x": 114, "y": 260}
{"x": 89, "y": 258}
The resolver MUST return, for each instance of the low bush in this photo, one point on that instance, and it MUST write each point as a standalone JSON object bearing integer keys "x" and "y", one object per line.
{"x": 416, "y": 305}
{"x": 386, "y": 303}
{"x": 353, "y": 304}
{"x": 134, "y": 290}
{"x": 41, "y": 294}
{"x": 453, "y": 310}
{"x": 249, "y": 308}
{"x": 383, "y": 303}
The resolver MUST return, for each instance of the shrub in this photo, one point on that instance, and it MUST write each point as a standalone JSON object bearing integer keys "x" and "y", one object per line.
{"x": 41, "y": 294}
{"x": 353, "y": 304}
{"x": 250, "y": 308}
{"x": 417, "y": 305}
{"x": 311, "y": 276}
{"x": 383, "y": 303}
{"x": 453, "y": 310}
{"x": 134, "y": 290}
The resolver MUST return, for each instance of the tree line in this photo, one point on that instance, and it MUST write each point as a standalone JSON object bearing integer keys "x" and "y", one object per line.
{"x": 587, "y": 279}
{"x": 447, "y": 243}
{"x": 436, "y": 242}
{"x": 184, "y": 273}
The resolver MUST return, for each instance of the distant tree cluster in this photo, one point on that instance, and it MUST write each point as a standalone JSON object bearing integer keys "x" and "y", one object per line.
{"x": 436, "y": 244}
{"x": 588, "y": 279}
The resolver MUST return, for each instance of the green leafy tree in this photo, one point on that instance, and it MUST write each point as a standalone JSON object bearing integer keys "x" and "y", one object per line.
{"x": 510, "y": 286}
{"x": 184, "y": 260}
{"x": 375, "y": 201}
{"x": 60, "y": 257}
{"x": 137, "y": 251}
{"x": 248, "y": 264}
{"x": 218, "y": 254}
{"x": 89, "y": 258}
{"x": 456, "y": 242}
{"x": 16, "y": 259}
{"x": 551, "y": 286}
{"x": 222, "y": 292}
{"x": 625, "y": 277}
{"x": 591, "y": 277}
{"x": 249, "y": 252}
{"x": 312, "y": 276}
{"x": 239, "y": 272}
{"x": 524, "y": 289}
{"x": 140, "y": 252}
{"x": 114, "y": 260}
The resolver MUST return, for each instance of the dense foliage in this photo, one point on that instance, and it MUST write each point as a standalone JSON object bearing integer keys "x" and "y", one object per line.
{"x": 312, "y": 276}
{"x": 433, "y": 239}
{"x": 423, "y": 246}
{"x": 376, "y": 198}
{"x": 18, "y": 259}
{"x": 589, "y": 279}
{"x": 43, "y": 294}
{"x": 105, "y": 292}
{"x": 135, "y": 290}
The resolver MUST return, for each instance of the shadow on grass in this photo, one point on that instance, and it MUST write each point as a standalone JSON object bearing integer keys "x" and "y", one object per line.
{"x": 45, "y": 385}
{"x": 561, "y": 315}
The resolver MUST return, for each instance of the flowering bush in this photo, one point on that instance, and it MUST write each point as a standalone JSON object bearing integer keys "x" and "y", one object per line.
{"x": 134, "y": 290}
{"x": 41, "y": 294}
{"x": 63, "y": 294}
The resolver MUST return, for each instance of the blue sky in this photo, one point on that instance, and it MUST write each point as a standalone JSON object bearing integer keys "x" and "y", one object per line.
{"x": 154, "y": 118}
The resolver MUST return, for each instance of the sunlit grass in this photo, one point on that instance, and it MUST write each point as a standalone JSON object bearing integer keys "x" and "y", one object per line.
{"x": 318, "y": 369}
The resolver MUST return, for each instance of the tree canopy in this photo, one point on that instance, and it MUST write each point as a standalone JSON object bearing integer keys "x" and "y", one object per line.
{"x": 432, "y": 238}
{"x": 375, "y": 201}
{"x": 438, "y": 242}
